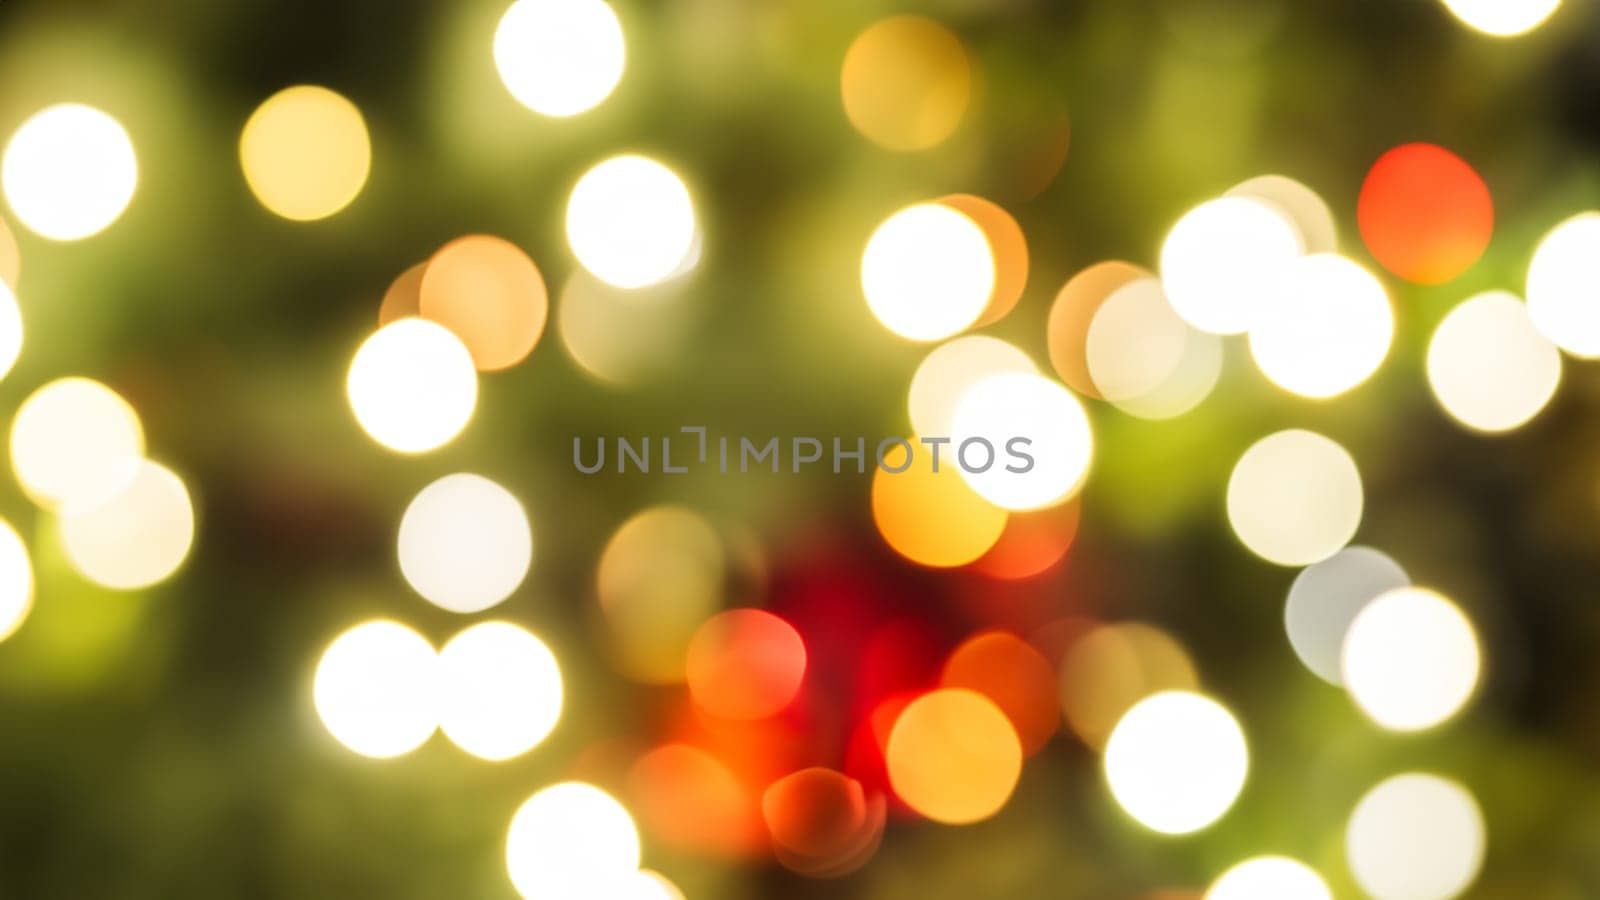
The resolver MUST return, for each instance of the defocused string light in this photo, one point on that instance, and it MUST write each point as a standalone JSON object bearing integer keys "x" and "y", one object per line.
{"x": 1003, "y": 408}
{"x": 689, "y": 799}
{"x": 815, "y": 812}
{"x": 1561, "y": 279}
{"x": 933, "y": 518}
{"x": 1144, "y": 358}
{"x": 906, "y": 82}
{"x": 953, "y": 756}
{"x": 412, "y": 385}
{"x": 1008, "y": 247}
{"x": 404, "y": 296}
{"x": 1295, "y": 498}
{"x": 490, "y": 294}
{"x": 1424, "y": 213}
{"x": 465, "y": 543}
{"x": 660, "y": 576}
{"x": 10, "y": 257}
{"x": 1176, "y": 762}
{"x": 137, "y": 537}
{"x": 499, "y": 690}
{"x": 1270, "y": 878}
{"x": 69, "y": 171}
{"x": 745, "y": 664}
{"x": 568, "y": 840}
{"x": 1327, "y": 596}
{"x": 16, "y": 581}
{"x": 1304, "y": 207}
{"x": 10, "y": 329}
{"x": 1073, "y": 311}
{"x": 560, "y": 57}
{"x": 950, "y": 369}
{"x": 928, "y": 272}
{"x": 1416, "y": 837}
{"x": 1017, "y": 677}
{"x": 1220, "y": 262}
{"x": 630, "y": 221}
{"x": 1411, "y": 659}
{"x": 648, "y": 885}
{"x": 75, "y": 443}
{"x": 1326, "y": 329}
{"x": 623, "y": 336}
{"x": 1489, "y": 367}
{"x": 1503, "y": 18}
{"x": 1105, "y": 672}
{"x": 853, "y": 852}
{"x": 376, "y": 690}
{"x": 1032, "y": 543}
{"x": 305, "y": 152}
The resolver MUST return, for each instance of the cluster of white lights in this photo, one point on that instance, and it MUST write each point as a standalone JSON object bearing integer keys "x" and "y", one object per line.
{"x": 575, "y": 840}
{"x": 381, "y": 690}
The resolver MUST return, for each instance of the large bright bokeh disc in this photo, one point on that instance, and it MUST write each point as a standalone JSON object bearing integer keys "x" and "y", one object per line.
{"x": 1176, "y": 762}
{"x": 930, "y": 517}
{"x": 906, "y": 82}
{"x": 465, "y": 543}
{"x": 69, "y": 171}
{"x": 569, "y": 839}
{"x": 1489, "y": 367}
{"x": 490, "y": 294}
{"x": 661, "y": 576}
{"x": 1325, "y": 329}
{"x": 75, "y": 443}
{"x": 412, "y": 385}
{"x": 927, "y": 272}
{"x": 1503, "y": 18}
{"x": 138, "y": 537}
{"x": 559, "y": 57}
{"x": 1327, "y": 596}
{"x": 1040, "y": 436}
{"x": 305, "y": 152}
{"x": 630, "y": 221}
{"x": 1561, "y": 280}
{"x": 1221, "y": 260}
{"x": 376, "y": 689}
{"x": 499, "y": 690}
{"x": 946, "y": 373}
{"x": 1416, "y": 837}
{"x": 1411, "y": 659}
{"x": 953, "y": 756}
{"x": 1269, "y": 878}
{"x": 1304, "y": 207}
{"x": 16, "y": 580}
{"x": 1295, "y": 498}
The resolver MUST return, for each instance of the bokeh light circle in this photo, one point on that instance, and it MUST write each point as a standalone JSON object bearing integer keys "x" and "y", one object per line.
{"x": 1144, "y": 358}
{"x": 1073, "y": 312}
{"x": 1561, "y": 279}
{"x": 1220, "y": 262}
{"x": 906, "y": 82}
{"x": 1411, "y": 659}
{"x": 952, "y": 367}
{"x": 1327, "y": 596}
{"x": 16, "y": 581}
{"x": 376, "y": 690}
{"x": 630, "y": 221}
{"x": 953, "y": 756}
{"x": 1304, "y": 207}
{"x": 69, "y": 171}
{"x": 814, "y": 812}
{"x": 465, "y": 543}
{"x": 660, "y": 576}
{"x": 75, "y": 443}
{"x": 1112, "y": 667}
{"x": 10, "y": 328}
{"x": 1176, "y": 762}
{"x": 569, "y": 839}
{"x": 1269, "y": 878}
{"x": 137, "y": 537}
{"x": 412, "y": 385}
{"x": 1295, "y": 498}
{"x": 927, "y": 272}
{"x": 499, "y": 690}
{"x": 933, "y": 518}
{"x": 1326, "y": 329}
{"x": 560, "y": 57}
{"x": 1424, "y": 213}
{"x": 1016, "y": 407}
{"x": 1007, "y": 246}
{"x": 490, "y": 294}
{"x": 745, "y": 664}
{"x": 1416, "y": 837}
{"x": 1017, "y": 677}
{"x": 305, "y": 152}
{"x": 1489, "y": 367}
{"x": 1503, "y": 18}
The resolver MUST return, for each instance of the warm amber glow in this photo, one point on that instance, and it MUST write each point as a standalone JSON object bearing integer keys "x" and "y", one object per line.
{"x": 490, "y": 294}
{"x": 1010, "y": 672}
{"x": 1115, "y": 666}
{"x": 660, "y": 576}
{"x": 906, "y": 83}
{"x": 745, "y": 664}
{"x": 933, "y": 518}
{"x": 305, "y": 152}
{"x": 953, "y": 756}
{"x": 1007, "y": 245}
{"x": 1073, "y": 312}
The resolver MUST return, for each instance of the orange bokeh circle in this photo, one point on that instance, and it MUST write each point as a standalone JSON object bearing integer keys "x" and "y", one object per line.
{"x": 490, "y": 294}
{"x": 1424, "y": 213}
